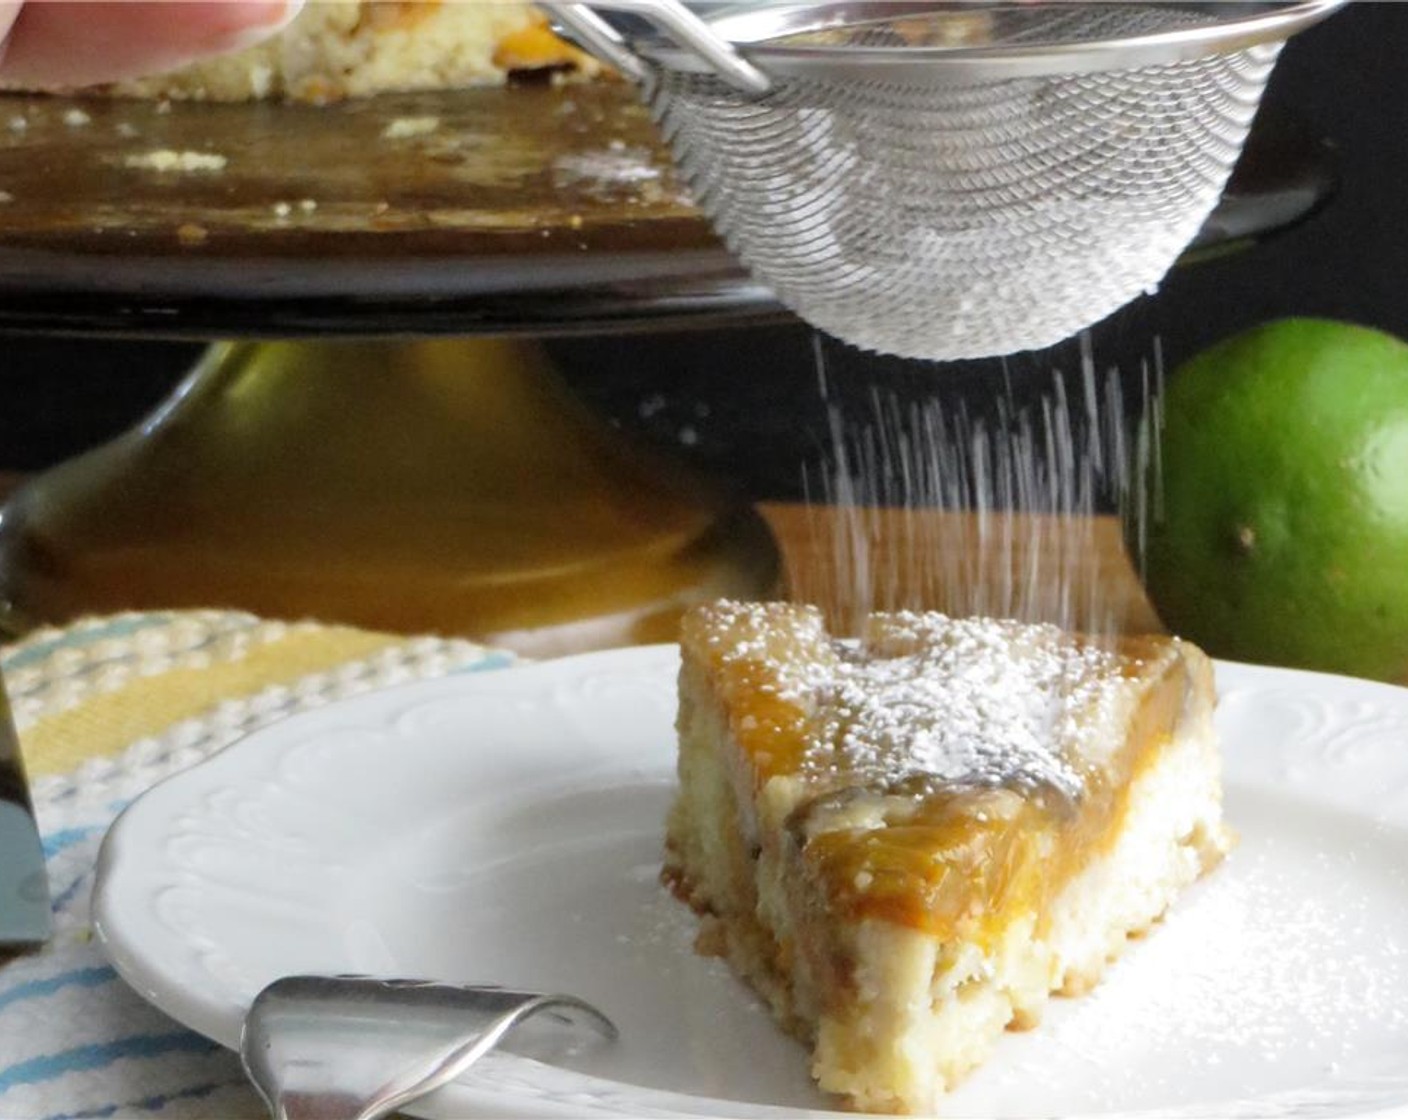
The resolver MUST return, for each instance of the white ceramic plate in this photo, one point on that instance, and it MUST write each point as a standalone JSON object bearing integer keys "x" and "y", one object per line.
{"x": 506, "y": 827}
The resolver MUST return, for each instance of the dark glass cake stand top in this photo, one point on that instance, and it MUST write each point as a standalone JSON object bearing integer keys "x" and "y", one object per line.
{"x": 535, "y": 209}
{"x": 402, "y": 483}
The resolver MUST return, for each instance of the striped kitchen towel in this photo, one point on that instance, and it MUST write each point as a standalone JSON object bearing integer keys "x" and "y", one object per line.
{"x": 105, "y": 708}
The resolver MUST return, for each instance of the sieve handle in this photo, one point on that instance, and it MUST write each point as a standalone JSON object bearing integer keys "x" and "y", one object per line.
{"x": 677, "y": 21}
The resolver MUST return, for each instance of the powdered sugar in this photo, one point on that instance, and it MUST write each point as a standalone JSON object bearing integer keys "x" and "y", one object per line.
{"x": 970, "y": 702}
{"x": 623, "y": 165}
{"x": 974, "y": 702}
{"x": 1279, "y": 978}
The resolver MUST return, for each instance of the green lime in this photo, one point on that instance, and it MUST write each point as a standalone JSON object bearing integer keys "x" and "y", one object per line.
{"x": 1282, "y": 532}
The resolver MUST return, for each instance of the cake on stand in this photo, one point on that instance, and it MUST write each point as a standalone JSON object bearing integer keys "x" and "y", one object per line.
{"x": 378, "y": 438}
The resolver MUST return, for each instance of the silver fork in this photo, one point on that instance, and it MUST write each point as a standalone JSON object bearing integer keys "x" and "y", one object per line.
{"x": 359, "y": 1047}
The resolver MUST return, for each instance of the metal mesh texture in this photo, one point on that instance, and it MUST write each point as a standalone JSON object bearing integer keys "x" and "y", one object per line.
{"x": 971, "y": 219}
{"x": 1009, "y": 24}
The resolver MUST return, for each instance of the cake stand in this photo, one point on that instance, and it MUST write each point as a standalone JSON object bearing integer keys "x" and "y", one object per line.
{"x": 379, "y": 439}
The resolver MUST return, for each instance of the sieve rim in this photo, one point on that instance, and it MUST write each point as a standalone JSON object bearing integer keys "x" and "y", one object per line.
{"x": 748, "y": 27}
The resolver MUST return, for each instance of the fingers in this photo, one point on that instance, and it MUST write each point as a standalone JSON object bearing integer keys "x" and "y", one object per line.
{"x": 9, "y": 9}
{"x": 81, "y": 42}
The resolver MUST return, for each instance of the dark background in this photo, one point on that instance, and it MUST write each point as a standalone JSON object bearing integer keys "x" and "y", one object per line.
{"x": 745, "y": 403}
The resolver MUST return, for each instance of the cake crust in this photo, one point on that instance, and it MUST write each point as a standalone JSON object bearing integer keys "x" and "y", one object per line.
{"x": 338, "y": 49}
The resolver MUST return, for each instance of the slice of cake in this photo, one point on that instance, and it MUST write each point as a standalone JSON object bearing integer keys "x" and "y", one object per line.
{"x": 908, "y": 843}
{"x": 336, "y": 49}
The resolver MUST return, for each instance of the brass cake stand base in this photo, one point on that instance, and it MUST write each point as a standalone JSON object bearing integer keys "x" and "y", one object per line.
{"x": 450, "y": 487}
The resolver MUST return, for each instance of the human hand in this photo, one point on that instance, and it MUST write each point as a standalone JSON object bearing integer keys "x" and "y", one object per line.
{"x": 49, "y": 43}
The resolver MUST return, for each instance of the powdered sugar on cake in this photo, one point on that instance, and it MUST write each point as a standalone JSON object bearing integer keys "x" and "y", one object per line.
{"x": 968, "y": 703}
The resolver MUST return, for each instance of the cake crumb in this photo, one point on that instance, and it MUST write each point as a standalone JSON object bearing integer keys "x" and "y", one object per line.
{"x": 403, "y": 128}
{"x": 614, "y": 166}
{"x": 166, "y": 159}
{"x": 261, "y": 79}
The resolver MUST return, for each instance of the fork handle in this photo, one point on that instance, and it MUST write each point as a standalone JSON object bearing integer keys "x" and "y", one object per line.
{"x": 438, "y": 1070}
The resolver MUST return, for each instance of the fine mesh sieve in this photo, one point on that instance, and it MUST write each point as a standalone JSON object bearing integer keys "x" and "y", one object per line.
{"x": 952, "y": 180}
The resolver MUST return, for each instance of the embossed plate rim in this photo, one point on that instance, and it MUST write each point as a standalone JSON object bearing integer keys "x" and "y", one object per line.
{"x": 135, "y": 863}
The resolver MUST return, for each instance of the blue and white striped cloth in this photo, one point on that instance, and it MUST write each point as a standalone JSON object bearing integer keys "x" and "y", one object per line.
{"x": 75, "y": 1041}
